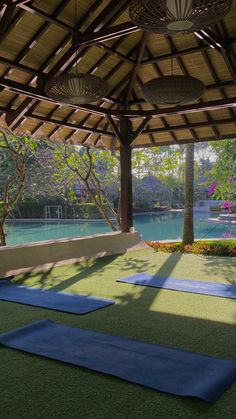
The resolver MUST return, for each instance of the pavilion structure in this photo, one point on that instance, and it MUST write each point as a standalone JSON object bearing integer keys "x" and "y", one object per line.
{"x": 36, "y": 45}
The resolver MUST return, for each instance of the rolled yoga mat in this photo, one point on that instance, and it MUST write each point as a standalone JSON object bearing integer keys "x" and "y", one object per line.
{"x": 185, "y": 285}
{"x": 60, "y": 301}
{"x": 161, "y": 368}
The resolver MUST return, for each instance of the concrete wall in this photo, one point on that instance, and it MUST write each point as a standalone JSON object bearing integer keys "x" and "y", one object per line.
{"x": 43, "y": 255}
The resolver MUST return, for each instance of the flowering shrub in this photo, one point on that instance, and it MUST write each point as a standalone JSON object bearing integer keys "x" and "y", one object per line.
{"x": 211, "y": 248}
{"x": 212, "y": 188}
{"x": 228, "y": 205}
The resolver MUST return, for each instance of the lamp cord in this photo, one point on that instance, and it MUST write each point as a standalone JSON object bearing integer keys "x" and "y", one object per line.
{"x": 76, "y": 39}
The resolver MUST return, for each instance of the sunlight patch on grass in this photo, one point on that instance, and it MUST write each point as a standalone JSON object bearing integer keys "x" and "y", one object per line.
{"x": 194, "y": 306}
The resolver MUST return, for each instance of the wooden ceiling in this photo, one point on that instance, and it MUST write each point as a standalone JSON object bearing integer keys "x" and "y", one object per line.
{"x": 35, "y": 44}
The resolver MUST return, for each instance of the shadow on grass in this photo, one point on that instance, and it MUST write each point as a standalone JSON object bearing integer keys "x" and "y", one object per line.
{"x": 73, "y": 387}
{"x": 165, "y": 271}
{"x": 84, "y": 270}
{"x": 132, "y": 317}
{"x": 226, "y": 265}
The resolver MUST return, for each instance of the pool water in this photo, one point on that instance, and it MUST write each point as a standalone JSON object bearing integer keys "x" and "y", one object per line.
{"x": 162, "y": 226}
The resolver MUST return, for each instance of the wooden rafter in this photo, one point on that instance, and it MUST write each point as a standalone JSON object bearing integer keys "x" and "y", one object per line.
{"x": 6, "y": 18}
{"x": 186, "y": 141}
{"x": 159, "y": 73}
{"x": 190, "y": 126}
{"x": 106, "y": 16}
{"x": 35, "y": 93}
{"x": 219, "y": 44}
{"x": 121, "y": 61}
{"x": 136, "y": 68}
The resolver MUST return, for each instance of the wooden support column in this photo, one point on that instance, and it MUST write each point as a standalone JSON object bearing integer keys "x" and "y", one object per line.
{"x": 126, "y": 205}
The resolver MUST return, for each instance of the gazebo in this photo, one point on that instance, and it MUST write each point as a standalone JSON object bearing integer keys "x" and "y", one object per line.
{"x": 117, "y": 75}
{"x": 42, "y": 39}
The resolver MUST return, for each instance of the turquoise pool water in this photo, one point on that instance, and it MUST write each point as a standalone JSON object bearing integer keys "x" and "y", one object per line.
{"x": 162, "y": 226}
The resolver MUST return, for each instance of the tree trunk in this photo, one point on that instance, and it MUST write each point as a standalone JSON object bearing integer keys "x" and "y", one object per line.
{"x": 99, "y": 207}
{"x": 2, "y": 234}
{"x": 188, "y": 233}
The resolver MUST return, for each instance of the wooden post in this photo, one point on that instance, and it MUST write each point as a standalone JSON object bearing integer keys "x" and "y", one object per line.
{"x": 126, "y": 206}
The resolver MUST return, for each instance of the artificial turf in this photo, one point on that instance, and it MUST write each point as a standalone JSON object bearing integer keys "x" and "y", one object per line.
{"x": 34, "y": 387}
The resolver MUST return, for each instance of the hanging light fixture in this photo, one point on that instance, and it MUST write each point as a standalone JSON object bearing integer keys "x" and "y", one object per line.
{"x": 78, "y": 88}
{"x": 172, "y": 16}
{"x": 173, "y": 90}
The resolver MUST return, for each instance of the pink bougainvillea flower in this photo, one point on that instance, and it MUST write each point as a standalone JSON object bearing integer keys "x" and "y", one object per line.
{"x": 228, "y": 235}
{"x": 212, "y": 188}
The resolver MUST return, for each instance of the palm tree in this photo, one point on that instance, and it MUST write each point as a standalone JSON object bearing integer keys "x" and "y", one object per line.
{"x": 188, "y": 233}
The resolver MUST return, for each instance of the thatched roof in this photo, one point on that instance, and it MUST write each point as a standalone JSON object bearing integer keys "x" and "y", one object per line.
{"x": 35, "y": 44}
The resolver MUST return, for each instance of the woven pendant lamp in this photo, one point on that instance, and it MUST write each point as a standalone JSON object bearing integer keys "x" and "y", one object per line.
{"x": 173, "y": 16}
{"x": 173, "y": 90}
{"x": 78, "y": 88}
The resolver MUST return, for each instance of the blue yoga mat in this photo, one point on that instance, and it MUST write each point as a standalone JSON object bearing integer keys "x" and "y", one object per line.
{"x": 61, "y": 301}
{"x": 161, "y": 368}
{"x": 185, "y": 285}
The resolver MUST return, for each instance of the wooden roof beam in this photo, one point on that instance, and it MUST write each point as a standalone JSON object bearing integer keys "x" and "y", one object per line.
{"x": 132, "y": 80}
{"x": 102, "y": 21}
{"x": 32, "y": 71}
{"x": 140, "y": 129}
{"x": 33, "y": 40}
{"x": 219, "y": 44}
{"x": 184, "y": 70}
{"x": 108, "y": 33}
{"x": 190, "y": 126}
{"x": 107, "y": 14}
{"x": 159, "y": 73}
{"x": 36, "y": 93}
{"x": 217, "y": 85}
{"x": 43, "y": 67}
{"x": 95, "y": 30}
{"x": 89, "y": 135}
{"x": 6, "y": 18}
{"x": 179, "y": 53}
{"x": 15, "y": 2}
{"x": 110, "y": 13}
{"x": 150, "y": 135}
{"x": 113, "y": 51}
{"x": 117, "y": 131}
{"x": 187, "y": 141}
{"x": 113, "y": 100}
{"x": 69, "y": 125}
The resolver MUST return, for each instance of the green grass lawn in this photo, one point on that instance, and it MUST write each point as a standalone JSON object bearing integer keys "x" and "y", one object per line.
{"x": 34, "y": 387}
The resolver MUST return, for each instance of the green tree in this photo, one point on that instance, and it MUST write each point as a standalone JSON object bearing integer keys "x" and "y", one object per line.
{"x": 85, "y": 166}
{"x": 224, "y": 170}
{"x": 16, "y": 153}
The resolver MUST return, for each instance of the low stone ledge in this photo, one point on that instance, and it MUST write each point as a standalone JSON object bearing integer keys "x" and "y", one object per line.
{"x": 43, "y": 255}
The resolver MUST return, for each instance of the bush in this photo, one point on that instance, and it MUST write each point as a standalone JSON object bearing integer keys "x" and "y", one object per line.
{"x": 211, "y": 248}
{"x": 88, "y": 210}
{"x": 215, "y": 208}
{"x": 31, "y": 208}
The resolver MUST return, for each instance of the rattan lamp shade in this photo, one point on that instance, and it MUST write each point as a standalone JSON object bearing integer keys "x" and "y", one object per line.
{"x": 76, "y": 89}
{"x": 172, "y": 16}
{"x": 173, "y": 90}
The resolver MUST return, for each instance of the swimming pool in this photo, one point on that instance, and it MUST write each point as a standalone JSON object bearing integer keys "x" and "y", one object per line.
{"x": 162, "y": 226}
